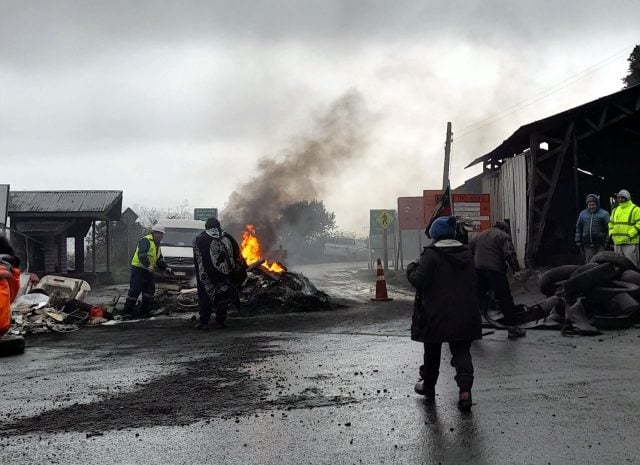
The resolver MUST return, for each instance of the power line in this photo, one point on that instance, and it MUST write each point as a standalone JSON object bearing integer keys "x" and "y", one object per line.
{"x": 544, "y": 94}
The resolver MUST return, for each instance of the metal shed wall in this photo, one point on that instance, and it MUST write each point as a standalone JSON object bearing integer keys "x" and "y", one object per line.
{"x": 513, "y": 194}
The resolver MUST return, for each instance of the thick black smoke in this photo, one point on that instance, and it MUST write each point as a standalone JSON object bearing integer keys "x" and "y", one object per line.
{"x": 301, "y": 172}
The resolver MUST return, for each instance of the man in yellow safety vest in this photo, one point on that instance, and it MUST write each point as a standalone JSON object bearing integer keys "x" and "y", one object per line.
{"x": 624, "y": 227}
{"x": 146, "y": 258}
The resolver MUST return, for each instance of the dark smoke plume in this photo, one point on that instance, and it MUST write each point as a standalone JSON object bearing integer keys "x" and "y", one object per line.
{"x": 301, "y": 172}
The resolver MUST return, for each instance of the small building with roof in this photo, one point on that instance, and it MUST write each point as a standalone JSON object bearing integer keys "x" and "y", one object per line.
{"x": 43, "y": 221}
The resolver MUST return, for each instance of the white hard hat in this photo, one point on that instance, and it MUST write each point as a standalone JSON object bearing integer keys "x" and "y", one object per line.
{"x": 157, "y": 228}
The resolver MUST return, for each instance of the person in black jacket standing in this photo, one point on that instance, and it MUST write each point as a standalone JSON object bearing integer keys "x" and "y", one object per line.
{"x": 220, "y": 271}
{"x": 448, "y": 310}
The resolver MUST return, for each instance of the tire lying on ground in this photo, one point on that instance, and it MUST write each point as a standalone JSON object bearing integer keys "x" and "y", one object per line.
{"x": 590, "y": 278}
{"x": 11, "y": 345}
{"x": 607, "y": 256}
{"x": 605, "y": 292}
{"x": 582, "y": 268}
{"x": 623, "y": 304}
{"x": 548, "y": 281}
{"x": 630, "y": 276}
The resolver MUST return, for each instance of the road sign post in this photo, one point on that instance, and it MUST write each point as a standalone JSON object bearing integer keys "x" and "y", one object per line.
{"x": 203, "y": 214}
{"x": 385, "y": 218}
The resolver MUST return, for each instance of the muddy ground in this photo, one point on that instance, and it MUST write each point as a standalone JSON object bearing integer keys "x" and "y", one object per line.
{"x": 326, "y": 387}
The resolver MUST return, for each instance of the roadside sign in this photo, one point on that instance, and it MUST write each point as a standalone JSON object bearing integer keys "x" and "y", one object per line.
{"x": 203, "y": 214}
{"x": 4, "y": 204}
{"x": 380, "y": 230}
{"x": 384, "y": 219}
{"x": 411, "y": 213}
{"x": 375, "y": 227}
{"x": 475, "y": 206}
{"x": 128, "y": 217}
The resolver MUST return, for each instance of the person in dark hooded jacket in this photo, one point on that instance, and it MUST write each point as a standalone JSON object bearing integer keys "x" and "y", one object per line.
{"x": 448, "y": 308}
{"x": 592, "y": 228}
{"x": 220, "y": 272}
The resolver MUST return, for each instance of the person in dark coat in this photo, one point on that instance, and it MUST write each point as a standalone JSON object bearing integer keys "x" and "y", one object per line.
{"x": 492, "y": 250}
{"x": 220, "y": 271}
{"x": 448, "y": 308}
{"x": 592, "y": 228}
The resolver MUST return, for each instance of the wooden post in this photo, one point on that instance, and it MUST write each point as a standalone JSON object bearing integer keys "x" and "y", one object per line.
{"x": 447, "y": 158}
{"x": 93, "y": 255}
{"x": 386, "y": 249}
{"x": 575, "y": 173}
{"x": 108, "y": 248}
{"x": 531, "y": 192}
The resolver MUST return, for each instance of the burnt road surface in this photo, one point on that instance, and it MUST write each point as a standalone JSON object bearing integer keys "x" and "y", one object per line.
{"x": 331, "y": 387}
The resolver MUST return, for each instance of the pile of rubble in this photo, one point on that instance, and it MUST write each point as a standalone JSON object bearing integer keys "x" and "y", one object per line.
{"x": 603, "y": 294}
{"x": 57, "y": 304}
{"x": 265, "y": 291}
{"x": 54, "y": 305}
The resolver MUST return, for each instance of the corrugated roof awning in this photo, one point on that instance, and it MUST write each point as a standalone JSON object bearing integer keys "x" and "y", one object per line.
{"x": 519, "y": 140}
{"x": 98, "y": 205}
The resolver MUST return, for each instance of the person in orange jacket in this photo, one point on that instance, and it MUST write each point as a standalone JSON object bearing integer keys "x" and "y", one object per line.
{"x": 9, "y": 283}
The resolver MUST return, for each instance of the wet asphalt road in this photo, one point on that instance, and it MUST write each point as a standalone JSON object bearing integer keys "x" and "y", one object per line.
{"x": 322, "y": 388}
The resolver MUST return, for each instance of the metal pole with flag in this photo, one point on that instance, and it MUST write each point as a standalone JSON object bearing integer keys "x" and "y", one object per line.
{"x": 443, "y": 208}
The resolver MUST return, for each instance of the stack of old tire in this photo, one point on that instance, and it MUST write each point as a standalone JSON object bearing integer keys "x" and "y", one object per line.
{"x": 609, "y": 287}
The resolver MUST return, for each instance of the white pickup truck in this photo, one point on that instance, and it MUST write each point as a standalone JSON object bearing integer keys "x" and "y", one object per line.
{"x": 346, "y": 248}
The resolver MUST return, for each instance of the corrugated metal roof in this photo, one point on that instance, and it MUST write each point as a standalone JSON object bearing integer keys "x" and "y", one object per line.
{"x": 67, "y": 203}
{"x": 519, "y": 140}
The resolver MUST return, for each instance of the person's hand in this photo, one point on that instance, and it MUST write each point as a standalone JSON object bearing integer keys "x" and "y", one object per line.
{"x": 150, "y": 269}
{"x": 169, "y": 270}
{"x": 520, "y": 275}
{"x": 411, "y": 267}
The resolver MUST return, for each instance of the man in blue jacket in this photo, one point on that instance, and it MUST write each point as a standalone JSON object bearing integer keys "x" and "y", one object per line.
{"x": 592, "y": 228}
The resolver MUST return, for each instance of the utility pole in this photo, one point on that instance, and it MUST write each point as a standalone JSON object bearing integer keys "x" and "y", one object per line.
{"x": 447, "y": 157}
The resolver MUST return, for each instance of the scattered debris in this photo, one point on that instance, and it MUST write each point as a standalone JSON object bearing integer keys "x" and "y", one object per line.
{"x": 53, "y": 305}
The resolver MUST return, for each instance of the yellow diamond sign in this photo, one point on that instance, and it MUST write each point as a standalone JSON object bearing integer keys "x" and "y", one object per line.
{"x": 384, "y": 219}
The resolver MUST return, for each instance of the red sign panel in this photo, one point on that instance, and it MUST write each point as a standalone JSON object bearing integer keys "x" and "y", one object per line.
{"x": 411, "y": 213}
{"x": 474, "y": 206}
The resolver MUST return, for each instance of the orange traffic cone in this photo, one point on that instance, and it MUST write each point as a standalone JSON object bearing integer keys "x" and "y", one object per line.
{"x": 381, "y": 285}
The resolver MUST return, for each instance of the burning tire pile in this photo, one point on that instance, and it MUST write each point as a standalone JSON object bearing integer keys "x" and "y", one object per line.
{"x": 270, "y": 286}
{"x": 606, "y": 290}
{"x": 286, "y": 291}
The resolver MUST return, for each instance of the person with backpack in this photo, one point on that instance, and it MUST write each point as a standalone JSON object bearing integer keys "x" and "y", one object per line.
{"x": 220, "y": 272}
{"x": 446, "y": 309}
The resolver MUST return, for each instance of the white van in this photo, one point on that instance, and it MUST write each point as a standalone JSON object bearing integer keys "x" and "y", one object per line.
{"x": 177, "y": 245}
{"x": 346, "y": 248}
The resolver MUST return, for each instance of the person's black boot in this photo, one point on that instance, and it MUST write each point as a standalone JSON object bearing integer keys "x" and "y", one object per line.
{"x": 425, "y": 389}
{"x": 515, "y": 332}
{"x": 465, "y": 383}
{"x": 464, "y": 401}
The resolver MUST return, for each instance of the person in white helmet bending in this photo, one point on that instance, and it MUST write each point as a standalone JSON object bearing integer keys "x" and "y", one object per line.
{"x": 146, "y": 259}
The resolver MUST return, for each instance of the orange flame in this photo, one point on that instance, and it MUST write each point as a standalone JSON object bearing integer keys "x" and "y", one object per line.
{"x": 250, "y": 249}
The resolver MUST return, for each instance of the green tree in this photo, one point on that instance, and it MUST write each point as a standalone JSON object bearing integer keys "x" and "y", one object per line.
{"x": 633, "y": 76}
{"x": 307, "y": 219}
{"x": 303, "y": 228}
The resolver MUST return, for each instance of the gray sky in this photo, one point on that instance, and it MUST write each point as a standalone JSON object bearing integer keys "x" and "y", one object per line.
{"x": 179, "y": 100}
